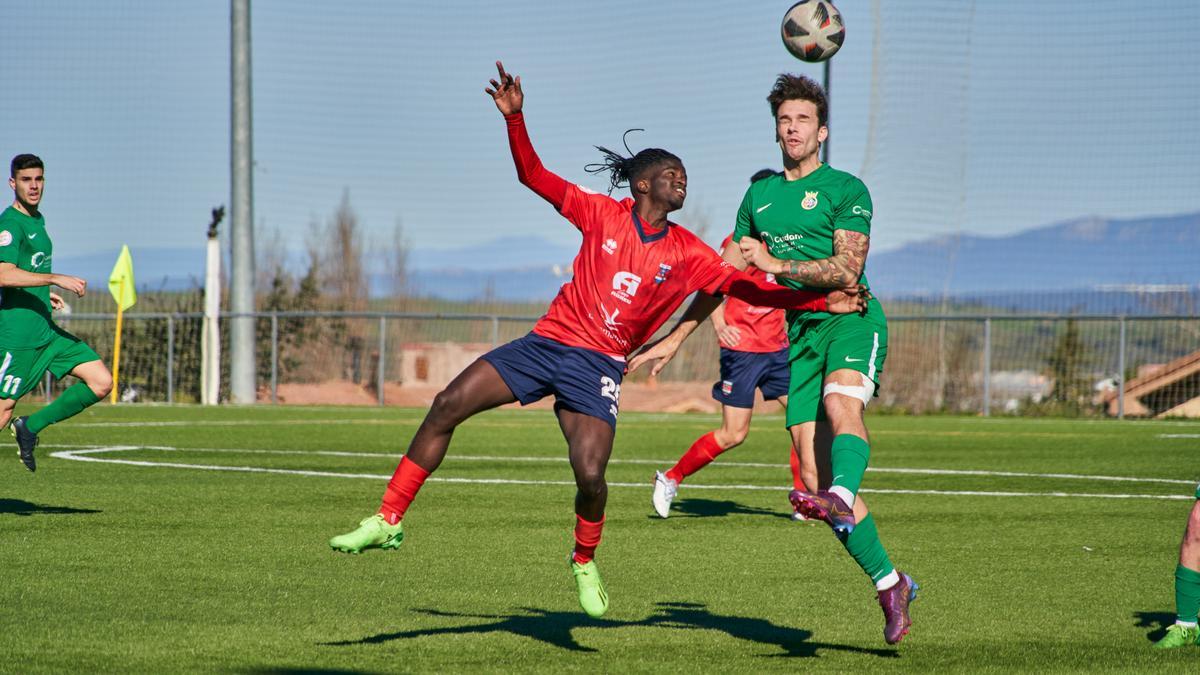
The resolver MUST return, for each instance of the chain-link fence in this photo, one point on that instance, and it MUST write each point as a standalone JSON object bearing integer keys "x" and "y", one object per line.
{"x": 1012, "y": 364}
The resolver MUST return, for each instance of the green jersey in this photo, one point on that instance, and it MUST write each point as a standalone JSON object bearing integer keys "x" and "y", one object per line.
{"x": 796, "y": 219}
{"x": 25, "y": 319}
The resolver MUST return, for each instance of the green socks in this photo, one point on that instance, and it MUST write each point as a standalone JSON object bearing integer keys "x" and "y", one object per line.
{"x": 864, "y": 546}
{"x": 69, "y": 403}
{"x": 1187, "y": 593}
{"x": 848, "y": 457}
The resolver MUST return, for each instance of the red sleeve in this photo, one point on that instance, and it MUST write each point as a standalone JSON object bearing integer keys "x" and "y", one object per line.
{"x": 531, "y": 173}
{"x": 745, "y": 287}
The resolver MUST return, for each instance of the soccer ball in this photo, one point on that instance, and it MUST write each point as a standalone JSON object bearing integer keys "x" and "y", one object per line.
{"x": 812, "y": 30}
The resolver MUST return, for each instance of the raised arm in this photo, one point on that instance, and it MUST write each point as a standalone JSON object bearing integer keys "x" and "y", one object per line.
{"x": 509, "y": 99}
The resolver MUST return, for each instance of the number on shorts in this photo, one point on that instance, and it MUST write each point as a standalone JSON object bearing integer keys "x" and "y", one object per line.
{"x": 610, "y": 389}
{"x": 9, "y": 384}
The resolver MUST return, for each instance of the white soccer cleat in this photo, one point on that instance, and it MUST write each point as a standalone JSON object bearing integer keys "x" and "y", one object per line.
{"x": 665, "y": 490}
{"x": 799, "y": 517}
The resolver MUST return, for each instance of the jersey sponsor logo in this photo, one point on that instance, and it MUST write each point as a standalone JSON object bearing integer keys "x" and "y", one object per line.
{"x": 625, "y": 285}
{"x": 860, "y": 211}
{"x": 764, "y": 207}
{"x": 663, "y": 270}
{"x": 5, "y": 238}
{"x": 610, "y": 246}
{"x": 810, "y": 201}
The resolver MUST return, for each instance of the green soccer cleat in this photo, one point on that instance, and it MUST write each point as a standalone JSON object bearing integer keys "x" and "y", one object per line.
{"x": 592, "y": 596}
{"x": 1179, "y": 636}
{"x": 373, "y": 532}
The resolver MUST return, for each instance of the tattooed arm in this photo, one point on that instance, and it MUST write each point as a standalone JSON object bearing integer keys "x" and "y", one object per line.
{"x": 841, "y": 270}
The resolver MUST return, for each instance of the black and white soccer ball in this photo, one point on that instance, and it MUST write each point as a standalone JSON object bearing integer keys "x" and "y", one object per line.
{"x": 813, "y": 30}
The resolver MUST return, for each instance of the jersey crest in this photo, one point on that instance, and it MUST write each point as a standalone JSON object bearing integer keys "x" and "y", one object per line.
{"x": 810, "y": 201}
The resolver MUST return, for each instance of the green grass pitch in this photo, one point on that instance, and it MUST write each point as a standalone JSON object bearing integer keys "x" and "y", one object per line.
{"x": 143, "y": 561}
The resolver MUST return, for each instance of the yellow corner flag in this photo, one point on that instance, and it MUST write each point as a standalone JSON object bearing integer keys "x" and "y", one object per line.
{"x": 120, "y": 282}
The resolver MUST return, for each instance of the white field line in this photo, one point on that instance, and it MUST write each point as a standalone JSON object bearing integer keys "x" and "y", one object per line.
{"x": 1179, "y": 435}
{"x": 85, "y": 455}
{"x": 657, "y": 462}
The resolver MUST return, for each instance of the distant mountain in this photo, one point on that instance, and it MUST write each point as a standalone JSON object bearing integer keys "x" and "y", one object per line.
{"x": 1087, "y": 253}
{"x": 1089, "y": 264}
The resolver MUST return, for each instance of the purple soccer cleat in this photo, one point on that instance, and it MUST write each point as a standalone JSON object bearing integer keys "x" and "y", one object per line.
{"x": 895, "y": 601}
{"x": 825, "y": 506}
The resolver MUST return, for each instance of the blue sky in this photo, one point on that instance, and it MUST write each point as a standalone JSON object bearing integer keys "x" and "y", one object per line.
{"x": 981, "y": 118}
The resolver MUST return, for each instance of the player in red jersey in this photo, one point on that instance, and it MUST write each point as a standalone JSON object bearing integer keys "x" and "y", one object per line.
{"x": 633, "y": 269}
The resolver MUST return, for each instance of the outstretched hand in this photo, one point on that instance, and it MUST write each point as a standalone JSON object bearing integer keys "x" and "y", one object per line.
{"x": 662, "y": 352}
{"x": 506, "y": 92}
{"x": 849, "y": 300}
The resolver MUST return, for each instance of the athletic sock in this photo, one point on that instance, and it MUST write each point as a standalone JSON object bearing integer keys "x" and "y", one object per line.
{"x": 794, "y": 461}
{"x": 402, "y": 489}
{"x": 848, "y": 457}
{"x": 68, "y": 404}
{"x": 587, "y": 538}
{"x": 1187, "y": 594}
{"x": 864, "y": 546}
{"x": 703, "y": 451}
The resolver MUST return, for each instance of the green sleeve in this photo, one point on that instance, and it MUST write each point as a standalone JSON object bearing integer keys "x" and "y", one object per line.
{"x": 744, "y": 225}
{"x": 854, "y": 211}
{"x": 11, "y": 234}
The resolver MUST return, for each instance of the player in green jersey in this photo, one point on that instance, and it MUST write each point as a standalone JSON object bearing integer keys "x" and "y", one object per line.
{"x": 810, "y": 227}
{"x": 1186, "y": 630}
{"x": 30, "y": 342}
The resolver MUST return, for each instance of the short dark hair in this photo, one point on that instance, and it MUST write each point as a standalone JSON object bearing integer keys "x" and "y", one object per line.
{"x": 789, "y": 87}
{"x": 25, "y": 161}
{"x": 762, "y": 173}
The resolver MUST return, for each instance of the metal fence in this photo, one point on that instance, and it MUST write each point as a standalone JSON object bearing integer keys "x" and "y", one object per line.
{"x": 1004, "y": 364}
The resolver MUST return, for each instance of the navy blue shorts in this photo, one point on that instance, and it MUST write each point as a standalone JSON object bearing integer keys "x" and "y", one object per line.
{"x": 743, "y": 372}
{"x": 581, "y": 380}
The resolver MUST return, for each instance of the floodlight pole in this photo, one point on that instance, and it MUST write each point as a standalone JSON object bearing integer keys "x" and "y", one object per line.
{"x": 241, "y": 289}
{"x": 828, "y": 102}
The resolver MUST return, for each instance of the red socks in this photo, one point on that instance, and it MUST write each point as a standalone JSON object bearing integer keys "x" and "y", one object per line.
{"x": 794, "y": 460}
{"x": 401, "y": 490}
{"x": 703, "y": 451}
{"x": 587, "y": 538}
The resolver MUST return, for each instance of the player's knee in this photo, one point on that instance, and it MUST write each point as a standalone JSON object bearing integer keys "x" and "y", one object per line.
{"x": 1191, "y": 535}
{"x": 446, "y": 409}
{"x": 590, "y": 483}
{"x": 101, "y": 385}
{"x": 729, "y": 439}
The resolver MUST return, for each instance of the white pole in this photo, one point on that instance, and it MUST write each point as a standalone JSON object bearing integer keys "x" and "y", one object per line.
{"x": 210, "y": 339}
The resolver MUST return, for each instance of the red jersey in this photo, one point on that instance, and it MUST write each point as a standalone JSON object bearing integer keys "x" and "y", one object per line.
{"x": 627, "y": 281}
{"x": 763, "y": 329}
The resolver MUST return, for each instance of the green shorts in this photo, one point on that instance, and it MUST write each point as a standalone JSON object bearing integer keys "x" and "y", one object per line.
{"x": 842, "y": 341}
{"x": 22, "y": 369}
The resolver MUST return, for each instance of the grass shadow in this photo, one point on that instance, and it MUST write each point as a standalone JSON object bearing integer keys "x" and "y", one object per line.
{"x": 718, "y": 508}
{"x": 1158, "y": 621}
{"x": 555, "y": 629}
{"x": 20, "y": 507}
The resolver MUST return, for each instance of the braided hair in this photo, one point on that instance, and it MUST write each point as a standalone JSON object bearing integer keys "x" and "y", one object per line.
{"x": 623, "y": 169}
